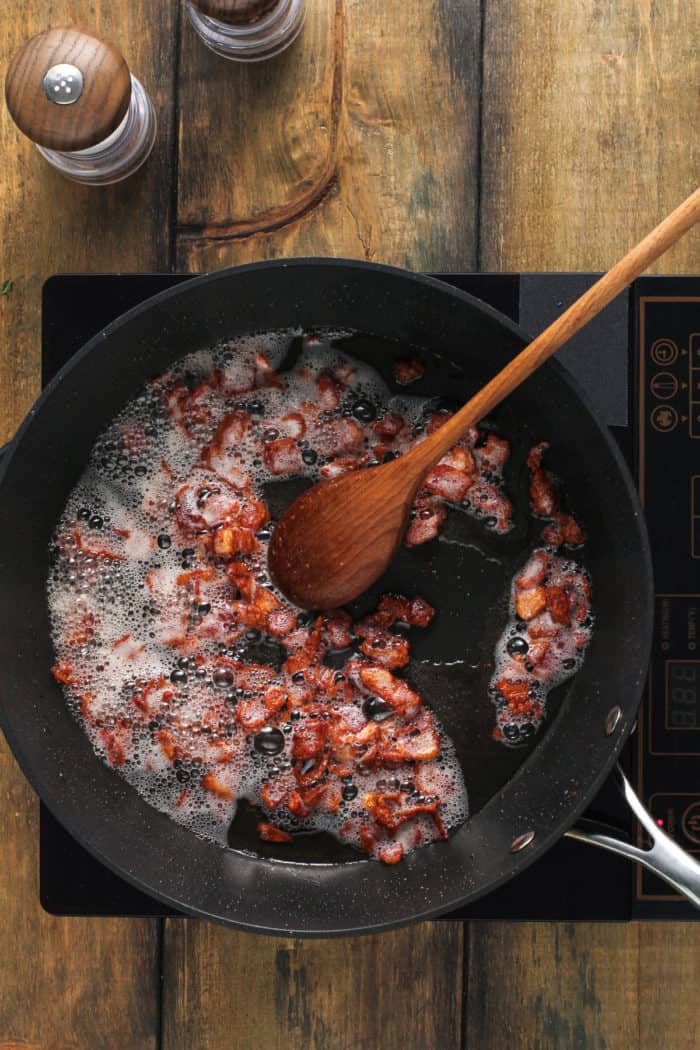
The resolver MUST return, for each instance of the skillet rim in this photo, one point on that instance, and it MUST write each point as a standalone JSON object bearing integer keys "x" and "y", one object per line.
{"x": 562, "y": 821}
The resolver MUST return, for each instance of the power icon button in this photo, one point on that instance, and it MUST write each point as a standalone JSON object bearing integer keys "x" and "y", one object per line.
{"x": 664, "y": 352}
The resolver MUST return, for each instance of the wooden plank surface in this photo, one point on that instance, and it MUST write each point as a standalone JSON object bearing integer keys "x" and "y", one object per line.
{"x": 587, "y": 119}
{"x": 67, "y": 983}
{"x": 396, "y": 991}
{"x": 362, "y": 142}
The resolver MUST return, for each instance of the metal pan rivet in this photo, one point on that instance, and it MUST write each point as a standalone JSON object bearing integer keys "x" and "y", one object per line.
{"x": 522, "y": 842}
{"x": 613, "y": 720}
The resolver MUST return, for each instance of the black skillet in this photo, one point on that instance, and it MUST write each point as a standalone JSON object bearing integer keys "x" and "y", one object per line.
{"x": 528, "y": 795}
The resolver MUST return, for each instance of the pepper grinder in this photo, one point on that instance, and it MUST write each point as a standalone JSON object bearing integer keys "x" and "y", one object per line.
{"x": 73, "y": 95}
{"x": 247, "y": 30}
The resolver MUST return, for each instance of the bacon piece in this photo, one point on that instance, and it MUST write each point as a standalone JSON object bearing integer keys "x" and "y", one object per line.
{"x": 328, "y": 392}
{"x": 558, "y": 605}
{"x": 460, "y": 459}
{"x": 269, "y": 833}
{"x": 65, "y": 673}
{"x": 265, "y": 374}
{"x": 389, "y": 425}
{"x": 515, "y": 695}
{"x": 534, "y": 572}
{"x": 408, "y": 369}
{"x": 294, "y": 425}
{"x": 422, "y": 747}
{"x": 493, "y": 454}
{"x": 309, "y": 739}
{"x": 230, "y": 541}
{"x": 343, "y": 465}
{"x": 281, "y": 622}
{"x": 337, "y": 629}
{"x": 216, "y": 787}
{"x": 114, "y": 743}
{"x": 490, "y": 501}
{"x": 311, "y": 650}
{"x": 283, "y": 457}
{"x": 437, "y": 420}
{"x": 542, "y": 627}
{"x": 382, "y": 683}
{"x": 391, "y": 809}
{"x": 448, "y": 483}
{"x": 429, "y": 516}
{"x": 273, "y": 794}
{"x": 340, "y": 437}
{"x": 390, "y": 853}
{"x": 530, "y": 603}
{"x": 387, "y": 649}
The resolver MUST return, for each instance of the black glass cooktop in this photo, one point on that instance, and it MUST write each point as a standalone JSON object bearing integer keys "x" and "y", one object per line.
{"x": 639, "y": 361}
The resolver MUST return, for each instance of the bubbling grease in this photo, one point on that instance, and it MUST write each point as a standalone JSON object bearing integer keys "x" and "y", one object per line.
{"x": 116, "y": 602}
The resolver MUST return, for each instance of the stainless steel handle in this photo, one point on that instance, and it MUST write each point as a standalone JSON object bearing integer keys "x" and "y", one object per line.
{"x": 665, "y": 857}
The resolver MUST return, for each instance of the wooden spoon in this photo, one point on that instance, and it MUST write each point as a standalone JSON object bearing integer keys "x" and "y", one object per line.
{"x": 337, "y": 538}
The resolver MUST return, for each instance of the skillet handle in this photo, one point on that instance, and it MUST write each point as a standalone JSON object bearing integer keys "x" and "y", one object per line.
{"x": 665, "y": 857}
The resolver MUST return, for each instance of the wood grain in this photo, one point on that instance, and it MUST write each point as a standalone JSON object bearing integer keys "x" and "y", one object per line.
{"x": 243, "y": 992}
{"x": 587, "y": 123}
{"x": 360, "y": 141}
{"x": 77, "y": 984}
{"x": 587, "y": 117}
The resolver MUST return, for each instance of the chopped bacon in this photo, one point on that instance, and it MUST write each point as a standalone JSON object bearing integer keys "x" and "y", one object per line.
{"x": 448, "y": 483}
{"x": 337, "y": 629}
{"x": 534, "y": 572}
{"x": 343, "y": 465}
{"x": 283, "y": 456}
{"x": 429, "y": 516}
{"x": 65, "y": 673}
{"x": 269, "y": 833}
{"x": 489, "y": 501}
{"x": 516, "y": 695}
{"x": 265, "y": 374}
{"x": 115, "y": 745}
{"x": 294, "y": 425}
{"x": 340, "y": 437}
{"x": 228, "y": 541}
{"x": 389, "y": 425}
{"x": 328, "y": 391}
{"x": 558, "y": 605}
{"x": 281, "y": 622}
{"x": 530, "y": 603}
{"x": 212, "y": 784}
{"x": 390, "y": 853}
{"x": 309, "y": 739}
{"x": 394, "y": 691}
{"x": 408, "y": 369}
{"x": 274, "y": 793}
{"x": 387, "y": 649}
{"x": 493, "y": 454}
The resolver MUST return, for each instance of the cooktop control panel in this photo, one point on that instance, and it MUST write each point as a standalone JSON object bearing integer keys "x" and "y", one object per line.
{"x": 666, "y": 327}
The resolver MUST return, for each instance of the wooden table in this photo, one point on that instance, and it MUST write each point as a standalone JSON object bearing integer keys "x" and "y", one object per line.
{"x": 435, "y": 134}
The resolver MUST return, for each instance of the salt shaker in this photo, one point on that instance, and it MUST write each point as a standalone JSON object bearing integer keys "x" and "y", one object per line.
{"x": 73, "y": 95}
{"x": 247, "y": 30}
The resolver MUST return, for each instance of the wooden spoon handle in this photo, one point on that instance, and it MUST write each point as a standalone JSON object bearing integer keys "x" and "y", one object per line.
{"x": 574, "y": 318}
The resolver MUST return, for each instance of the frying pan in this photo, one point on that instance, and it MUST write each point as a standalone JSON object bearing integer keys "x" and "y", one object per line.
{"x": 522, "y": 800}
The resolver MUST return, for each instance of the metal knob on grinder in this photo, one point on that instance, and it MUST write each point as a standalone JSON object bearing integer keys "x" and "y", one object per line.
{"x": 73, "y": 95}
{"x": 247, "y": 30}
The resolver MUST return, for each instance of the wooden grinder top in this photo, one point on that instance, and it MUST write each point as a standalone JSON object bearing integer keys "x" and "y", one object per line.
{"x": 235, "y": 12}
{"x": 59, "y": 111}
